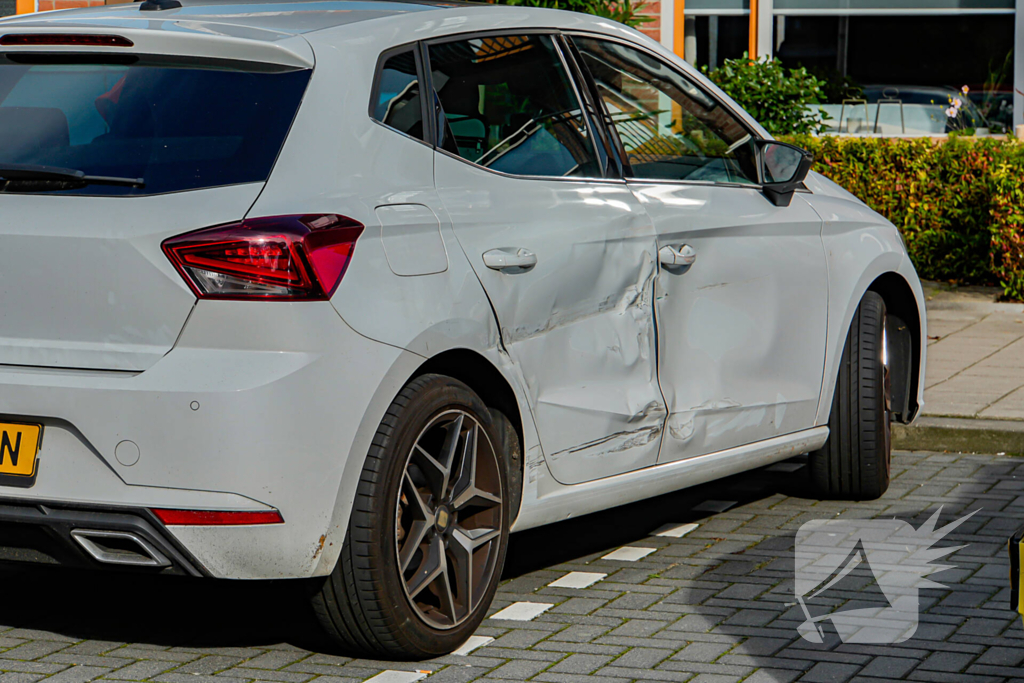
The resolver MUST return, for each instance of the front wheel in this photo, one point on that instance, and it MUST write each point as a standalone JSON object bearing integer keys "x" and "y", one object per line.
{"x": 429, "y": 529}
{"x": 854, "y": 463}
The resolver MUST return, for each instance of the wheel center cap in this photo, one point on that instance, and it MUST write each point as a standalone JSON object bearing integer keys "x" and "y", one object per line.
{"x": 442, "y": 518}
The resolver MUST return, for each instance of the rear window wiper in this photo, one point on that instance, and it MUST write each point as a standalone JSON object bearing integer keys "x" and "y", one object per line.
{"x": 29, "y": 174}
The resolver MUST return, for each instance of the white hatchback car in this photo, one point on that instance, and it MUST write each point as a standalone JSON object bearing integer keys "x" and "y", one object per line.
{"x": 348, "y": 291}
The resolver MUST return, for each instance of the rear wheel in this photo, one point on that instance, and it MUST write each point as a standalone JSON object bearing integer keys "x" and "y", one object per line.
{"x": 855, "y": 461}
{"x": 429, "y": 528}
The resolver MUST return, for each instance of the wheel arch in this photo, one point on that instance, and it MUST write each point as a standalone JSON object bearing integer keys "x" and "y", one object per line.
{"x": 903, "y": 343}
{"x": 890, "y": 274}
{"x": 480, "y": 375}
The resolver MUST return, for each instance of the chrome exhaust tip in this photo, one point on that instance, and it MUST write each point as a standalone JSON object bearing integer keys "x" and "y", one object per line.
{"x": 119, "y": 547}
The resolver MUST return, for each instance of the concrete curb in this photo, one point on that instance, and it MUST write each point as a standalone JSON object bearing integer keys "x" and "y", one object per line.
{"x": 960, "y": 435}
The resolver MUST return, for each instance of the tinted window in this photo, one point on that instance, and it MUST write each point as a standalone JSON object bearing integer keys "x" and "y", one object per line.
{"x": 508, "y": 104}
{"x": 398, "y": 95}
{"x": 670, "y": 129}
{"x": 178, "y": 128}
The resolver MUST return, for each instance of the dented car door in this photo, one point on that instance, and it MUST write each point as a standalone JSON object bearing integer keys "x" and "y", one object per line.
{"x": 742, "y": 293}
{"x": 567, "y": 259}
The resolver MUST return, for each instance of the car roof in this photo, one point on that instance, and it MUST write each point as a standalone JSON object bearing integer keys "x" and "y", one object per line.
{"x": 280, "y": 16}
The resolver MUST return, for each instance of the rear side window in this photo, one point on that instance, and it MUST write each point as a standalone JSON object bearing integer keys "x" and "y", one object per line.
{"x": 177, "y": 127}
{"x": 397, "y": 102}
{"x": 508, "y": 104}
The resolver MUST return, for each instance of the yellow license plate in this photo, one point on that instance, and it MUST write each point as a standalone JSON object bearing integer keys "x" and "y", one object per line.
{"x": 19, "y": 445}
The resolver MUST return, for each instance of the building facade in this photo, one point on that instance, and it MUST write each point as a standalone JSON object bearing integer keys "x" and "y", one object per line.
{"x": 884, "y": 45}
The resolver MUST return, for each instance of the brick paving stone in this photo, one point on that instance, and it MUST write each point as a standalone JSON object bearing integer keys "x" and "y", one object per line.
{"x": 580, "y": 664}
{"x": 33, "y": 650}
{"x": 643, "y": 657}
{"x": 209, "y": 665}
{"x": 949, "y": 662}
{"x": 713, "y": 678}
{"x": 65, "y": 657}
{"x": 20, "y": 678}
{"x": 701, "y": 652}
{"x": 1001, "y": 656}
{"x": 140, "y": 671}
{"x": 267, "y": 675}
{"x": 890, "y": 668}
{"x": 519, "y": 670}
{"x": 274, "y": 660}
{"x": 78, "y": 674}
{"x": 830, "y": 672}
{"x": 196, "y": 678}
{"x": 772, "y": 676}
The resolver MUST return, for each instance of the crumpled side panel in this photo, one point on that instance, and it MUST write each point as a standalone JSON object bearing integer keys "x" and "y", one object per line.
{"x": 579, "y": 324}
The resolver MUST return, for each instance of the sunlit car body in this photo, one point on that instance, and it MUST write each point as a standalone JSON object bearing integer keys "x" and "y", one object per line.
{"x": 212, "y": 329}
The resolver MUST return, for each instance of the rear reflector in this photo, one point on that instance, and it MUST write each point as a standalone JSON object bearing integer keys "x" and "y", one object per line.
{"x": 281, "y": 257}
{"x": 89, "y": 40}
{"x": 214, "y": 518}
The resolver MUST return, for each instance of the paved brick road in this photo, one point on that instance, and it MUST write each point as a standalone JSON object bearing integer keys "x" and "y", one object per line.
{"x": 711, "y": 606}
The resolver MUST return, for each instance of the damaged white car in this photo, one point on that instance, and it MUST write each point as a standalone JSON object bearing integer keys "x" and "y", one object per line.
{"x": 349, "y": 291}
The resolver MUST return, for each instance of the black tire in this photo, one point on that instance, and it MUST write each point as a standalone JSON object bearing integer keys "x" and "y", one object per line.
{"x": 366, "y": 605}
{"x": 854, "y": 463}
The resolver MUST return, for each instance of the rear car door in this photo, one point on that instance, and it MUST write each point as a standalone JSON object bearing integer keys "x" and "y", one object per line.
{"x": 566, "y": 256}
{"x": 741, "y": 330}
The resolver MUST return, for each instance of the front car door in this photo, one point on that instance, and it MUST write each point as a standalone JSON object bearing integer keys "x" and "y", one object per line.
{"x": 566, "y": 256}
{"x": 742, "y": 329}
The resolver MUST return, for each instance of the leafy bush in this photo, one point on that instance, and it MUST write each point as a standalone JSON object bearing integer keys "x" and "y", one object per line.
{"x": 780, "y": 99}
{"x": 624, "y": 11}
{"x": 959, "y": 203}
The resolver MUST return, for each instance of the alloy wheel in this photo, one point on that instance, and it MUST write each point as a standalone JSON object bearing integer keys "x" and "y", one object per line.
{"x": 449, "y": 519}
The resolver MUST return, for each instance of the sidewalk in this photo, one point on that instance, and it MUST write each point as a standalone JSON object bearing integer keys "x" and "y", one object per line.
{"x": 975, "y": 354}
{"x": 974, "y": 386}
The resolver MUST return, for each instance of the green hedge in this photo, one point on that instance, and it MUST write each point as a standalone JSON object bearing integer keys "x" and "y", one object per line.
{"x": 958, "y": 202}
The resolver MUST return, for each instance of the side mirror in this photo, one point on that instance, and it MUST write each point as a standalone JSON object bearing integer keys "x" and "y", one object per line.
{"x": 783, "y": 168}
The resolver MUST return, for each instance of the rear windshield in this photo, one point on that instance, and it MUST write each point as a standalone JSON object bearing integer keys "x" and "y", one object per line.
{"x": 177, "y": 127}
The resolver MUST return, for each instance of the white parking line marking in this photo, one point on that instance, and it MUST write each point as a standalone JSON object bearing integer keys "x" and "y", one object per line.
{"x": 628, "y": 553}
{"x": 577, "y": 580}
{"x": 714, "y": 505}
{"x": 397, "y": 677}
{"x": 523, "y": 611}
{"x": 675, "y": 530}
{"x": 473, "y": 643}
{"x": 785, "y": 467}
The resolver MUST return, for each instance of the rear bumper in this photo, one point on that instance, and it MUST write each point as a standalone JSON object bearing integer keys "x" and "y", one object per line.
{"x": 259, "y": 406}
{"x": 48, "y": 533}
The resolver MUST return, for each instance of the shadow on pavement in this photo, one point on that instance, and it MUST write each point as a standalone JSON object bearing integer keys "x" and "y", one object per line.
{"x": 606, "y": 530}
{"x": 156, "y": 610}
{"x": 176, "y": 611}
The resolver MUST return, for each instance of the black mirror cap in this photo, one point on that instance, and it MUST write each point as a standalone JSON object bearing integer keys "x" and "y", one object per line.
{"x": 781, "y": 194}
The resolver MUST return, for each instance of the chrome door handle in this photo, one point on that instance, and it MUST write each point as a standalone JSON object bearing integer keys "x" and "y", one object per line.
{"x": 683, "y": 255}
{"x": 509, "y": 258}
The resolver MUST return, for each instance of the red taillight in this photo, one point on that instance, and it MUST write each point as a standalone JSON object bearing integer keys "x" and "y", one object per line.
{"x": 282, "y": 257}
{"x": 90, "y": 40}
{"x": 214, "y": 518}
